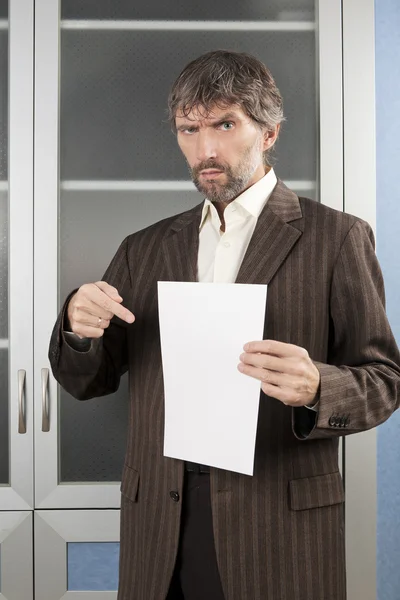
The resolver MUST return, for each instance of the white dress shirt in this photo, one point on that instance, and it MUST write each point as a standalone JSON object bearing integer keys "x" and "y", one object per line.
{"x": 221, "y": 253}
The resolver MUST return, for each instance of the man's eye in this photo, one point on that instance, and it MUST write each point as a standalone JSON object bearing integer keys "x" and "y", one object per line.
{"x": 227, "y": 125}
{"x": 190, "y": 130}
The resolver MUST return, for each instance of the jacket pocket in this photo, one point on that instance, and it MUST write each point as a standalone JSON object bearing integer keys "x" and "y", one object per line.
{"x": 312, "y": 492}
{"x": 130, "y": 483}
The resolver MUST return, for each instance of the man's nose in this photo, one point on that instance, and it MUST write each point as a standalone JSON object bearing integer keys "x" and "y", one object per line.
{"x": 206, "y": 146}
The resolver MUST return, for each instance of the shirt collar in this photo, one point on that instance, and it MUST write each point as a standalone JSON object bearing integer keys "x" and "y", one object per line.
{"x": 252, "y": 200}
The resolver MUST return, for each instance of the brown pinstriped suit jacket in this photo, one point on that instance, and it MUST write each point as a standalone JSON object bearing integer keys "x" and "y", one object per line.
{"x": 278, "y": 534}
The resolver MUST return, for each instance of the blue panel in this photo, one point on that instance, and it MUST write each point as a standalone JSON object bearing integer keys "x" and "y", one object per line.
{"x": 92, "y": 566}
{"x": 387, "y": 23}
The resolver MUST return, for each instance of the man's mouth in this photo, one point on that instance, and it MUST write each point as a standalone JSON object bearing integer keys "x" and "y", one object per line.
{"x": 210, "y": 173}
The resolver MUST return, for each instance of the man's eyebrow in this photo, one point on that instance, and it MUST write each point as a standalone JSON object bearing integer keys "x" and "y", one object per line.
{"x": 184, "y": 126}
{"x": 226, "y": 117}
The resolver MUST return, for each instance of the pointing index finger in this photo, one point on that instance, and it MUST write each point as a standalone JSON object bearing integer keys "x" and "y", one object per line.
{"x": 120, "y": 311}
{"x": 113, "y": 306}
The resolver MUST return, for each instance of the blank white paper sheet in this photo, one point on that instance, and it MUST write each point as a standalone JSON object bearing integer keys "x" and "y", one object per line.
{"x": 211, "y": 409}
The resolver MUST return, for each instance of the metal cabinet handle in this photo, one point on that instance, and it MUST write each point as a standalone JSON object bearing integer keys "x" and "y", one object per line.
{"x": 21, "y": 401}
{"x": 45, "y": 400}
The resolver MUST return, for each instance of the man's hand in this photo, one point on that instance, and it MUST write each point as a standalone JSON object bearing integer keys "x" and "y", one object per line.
{"x": 286, "y": 371}
{"x": 93, "y": 306}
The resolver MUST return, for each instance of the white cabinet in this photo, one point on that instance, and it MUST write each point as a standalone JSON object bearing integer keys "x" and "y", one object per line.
{"x": 86, "y": 158}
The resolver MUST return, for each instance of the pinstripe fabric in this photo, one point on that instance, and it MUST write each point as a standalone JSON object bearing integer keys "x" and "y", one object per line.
{"x": 279, "y": 534}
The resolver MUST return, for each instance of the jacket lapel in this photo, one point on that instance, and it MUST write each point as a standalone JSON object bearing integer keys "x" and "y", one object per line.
{"x": 271, "y": 242}
{"x": 181, "y": 246}
{"x": 273, "y": 237}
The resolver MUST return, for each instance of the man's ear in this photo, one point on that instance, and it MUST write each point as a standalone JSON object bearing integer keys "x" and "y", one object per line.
{"x": 270, "y": 137}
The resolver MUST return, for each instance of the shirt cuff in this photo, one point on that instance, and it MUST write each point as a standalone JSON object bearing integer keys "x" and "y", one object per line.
{"x": 77, "y": 343}
{"x": 313, "y": 407}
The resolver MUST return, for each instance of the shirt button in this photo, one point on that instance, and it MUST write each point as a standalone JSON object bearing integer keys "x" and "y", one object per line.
{"x": 226, "y": 244}
{"x": 174, "y": 496}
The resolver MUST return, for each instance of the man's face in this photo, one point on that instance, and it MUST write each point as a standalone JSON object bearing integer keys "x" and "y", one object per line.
{"x": 223, "y": 149}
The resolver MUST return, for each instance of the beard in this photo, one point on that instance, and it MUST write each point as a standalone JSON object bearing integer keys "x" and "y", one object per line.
{"x": 237, "y": 179}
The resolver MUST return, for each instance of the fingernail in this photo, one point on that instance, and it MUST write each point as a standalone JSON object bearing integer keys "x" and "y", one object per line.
{"x": 130, "y": 319}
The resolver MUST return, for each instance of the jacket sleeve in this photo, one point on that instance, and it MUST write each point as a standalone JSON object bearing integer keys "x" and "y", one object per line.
{"x": 360, "y": 385}
{"x": 96, "y": 371}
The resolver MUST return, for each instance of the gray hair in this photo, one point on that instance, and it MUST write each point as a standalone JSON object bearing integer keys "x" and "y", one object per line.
{"x": 222, "y": 78}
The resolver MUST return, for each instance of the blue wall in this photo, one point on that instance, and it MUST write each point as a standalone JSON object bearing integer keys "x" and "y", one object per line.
{"x": 387, "y": 27}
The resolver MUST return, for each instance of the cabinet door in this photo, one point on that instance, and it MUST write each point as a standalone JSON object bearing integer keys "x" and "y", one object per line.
{"x": 76, "y": 554}
{"x": 108, "y": 165}
{"x": 360, "y": 198}
{"x": 16, "y": 555}
{"x": 16, "y": 264}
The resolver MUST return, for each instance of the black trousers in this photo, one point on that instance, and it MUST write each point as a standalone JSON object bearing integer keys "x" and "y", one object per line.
{"x": 196, "y": 575}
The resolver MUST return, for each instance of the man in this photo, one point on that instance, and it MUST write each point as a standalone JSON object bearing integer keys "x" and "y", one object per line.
{"x": 328, "y": 364}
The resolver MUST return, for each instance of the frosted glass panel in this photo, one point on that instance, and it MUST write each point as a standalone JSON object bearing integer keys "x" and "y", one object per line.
{"x": 3, "y": 265}
{"x": 92, "y": 566}
{"x": 114, "y": 86}
{"x": 181, "y": 9}
{"x": 3, "y": 103}
{"x": 4, "y": 434}
{"x": 92, "y": 225}
{"x": 4, "y": 243}
{"x": 93, "y": 436}
{"x": 112, "y": 127}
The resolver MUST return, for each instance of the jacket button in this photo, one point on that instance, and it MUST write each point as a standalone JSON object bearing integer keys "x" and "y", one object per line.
{"x": 174, "y": 496}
